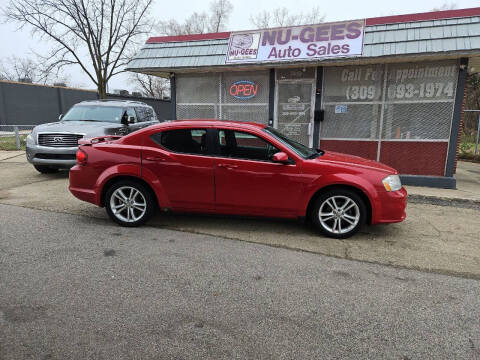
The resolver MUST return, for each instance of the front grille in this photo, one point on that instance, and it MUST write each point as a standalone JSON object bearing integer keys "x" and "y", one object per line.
{"x": 56, "y": 156}
{"x": 59, "y": 140}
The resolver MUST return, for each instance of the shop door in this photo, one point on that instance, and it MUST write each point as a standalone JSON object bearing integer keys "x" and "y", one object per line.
{"x": 294, "y": 110}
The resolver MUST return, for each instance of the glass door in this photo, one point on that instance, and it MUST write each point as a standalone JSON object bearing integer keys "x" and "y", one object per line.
{"x": 294, "y": 109}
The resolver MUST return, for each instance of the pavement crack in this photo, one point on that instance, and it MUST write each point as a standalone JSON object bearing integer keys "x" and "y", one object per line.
{"x": 12, "y": 157}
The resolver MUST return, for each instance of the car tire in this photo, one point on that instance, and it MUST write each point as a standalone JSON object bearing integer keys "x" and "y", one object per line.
{"x": 45, "y": 169}
{"x": 339, "y": 213}
{"x": 129, "y": 203}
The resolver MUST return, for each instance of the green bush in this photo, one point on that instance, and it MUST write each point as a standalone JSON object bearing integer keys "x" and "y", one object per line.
{"x": 469, "y": 157}
{"x": 465, "y": 147}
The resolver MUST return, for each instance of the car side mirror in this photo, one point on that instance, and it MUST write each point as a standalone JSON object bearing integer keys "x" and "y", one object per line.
{"x": 124, "y": 119}
{"x": 60, "y": 117}
{"x": 281, "y": 158}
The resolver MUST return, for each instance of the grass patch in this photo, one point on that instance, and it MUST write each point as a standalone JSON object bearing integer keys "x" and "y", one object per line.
{"x": 9, "y": 142}
{"x": 467, "y": 148}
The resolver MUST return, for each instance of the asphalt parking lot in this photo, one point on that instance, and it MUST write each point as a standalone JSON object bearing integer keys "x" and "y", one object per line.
{"x": 440, "y": 239}
{"x": 73, "y": 287}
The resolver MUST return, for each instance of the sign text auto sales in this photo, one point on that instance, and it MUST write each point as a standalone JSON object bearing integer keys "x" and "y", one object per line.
{"x": 297, "y": 43}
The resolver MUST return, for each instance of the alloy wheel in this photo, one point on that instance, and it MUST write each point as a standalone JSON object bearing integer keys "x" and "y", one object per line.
{"x": 128, "y": 204}
{"x": 339, "y": 214}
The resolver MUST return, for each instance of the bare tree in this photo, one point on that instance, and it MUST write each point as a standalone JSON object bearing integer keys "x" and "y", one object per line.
{"x": 102, "y": 29}
{"x": 199, "y": 23}
{"x": 214, "y": 20}
{"x": 445, "y": 6}
{"x": 280, "y": 17}
{"x": 220, "y": 12}
{"x": 152, "y": 86}
{"x": 15, "y": 68}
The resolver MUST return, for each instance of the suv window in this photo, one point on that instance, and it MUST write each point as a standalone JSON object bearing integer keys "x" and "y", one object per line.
{"x": 99, "y": 113}
{"x": 145, "y": 114}
{"x": 131, "y": 113}
{"x": 188, "y": 141}
{"x": 242, "y": 145}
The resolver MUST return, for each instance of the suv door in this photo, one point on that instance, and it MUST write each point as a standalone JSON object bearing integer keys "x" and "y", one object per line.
{"x": 247, "y": 181}
{"x": 182, "y": 162}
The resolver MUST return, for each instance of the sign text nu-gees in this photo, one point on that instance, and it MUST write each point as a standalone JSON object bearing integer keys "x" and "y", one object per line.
{"x": 310, "y": 42}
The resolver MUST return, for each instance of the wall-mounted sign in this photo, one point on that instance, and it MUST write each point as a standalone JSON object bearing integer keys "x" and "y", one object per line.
{"x": 340, "y": 39}
{"x": 243, "y": 89}
{"x": 341, "y": 109}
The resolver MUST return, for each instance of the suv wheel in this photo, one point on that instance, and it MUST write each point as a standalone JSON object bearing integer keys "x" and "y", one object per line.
{"x": 129, "y": 203}
{"x": 339, "y": 213}
{"x": 44, "y": 169}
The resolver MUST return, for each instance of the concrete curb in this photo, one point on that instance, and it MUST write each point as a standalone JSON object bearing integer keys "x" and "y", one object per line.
{"x": 444, "y": 201}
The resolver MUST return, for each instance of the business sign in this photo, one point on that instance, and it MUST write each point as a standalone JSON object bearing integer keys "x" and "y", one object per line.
{"x": 243, "y": 89}
{"x": 340, "y": 39}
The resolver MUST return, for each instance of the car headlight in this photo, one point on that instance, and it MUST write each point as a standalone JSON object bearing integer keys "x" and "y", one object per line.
{"x": 392, "y": 183}
{"x": 30, "y": 139}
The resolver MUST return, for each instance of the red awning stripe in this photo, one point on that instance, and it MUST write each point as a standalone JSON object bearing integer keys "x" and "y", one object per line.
{"x": 433, "y": 15}
{"x": 193, "y": 37}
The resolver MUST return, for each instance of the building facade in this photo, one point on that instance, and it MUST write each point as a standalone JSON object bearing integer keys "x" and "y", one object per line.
{"x": 390, "y": 89}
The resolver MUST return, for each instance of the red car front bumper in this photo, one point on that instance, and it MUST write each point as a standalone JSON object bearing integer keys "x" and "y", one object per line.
{"x": 392, "y": 207}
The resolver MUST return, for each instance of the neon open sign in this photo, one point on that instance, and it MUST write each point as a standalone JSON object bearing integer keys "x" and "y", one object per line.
{"x": 243, "y": 89}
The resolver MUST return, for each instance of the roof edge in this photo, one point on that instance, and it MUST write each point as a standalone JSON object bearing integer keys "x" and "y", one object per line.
{"x": 382, "y": 20}
{"x": 425, "y": 16}
{"x": 192, "y": 37}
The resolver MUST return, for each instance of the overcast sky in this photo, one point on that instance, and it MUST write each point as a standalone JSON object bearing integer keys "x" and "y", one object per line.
{"x": 20, "y": 43}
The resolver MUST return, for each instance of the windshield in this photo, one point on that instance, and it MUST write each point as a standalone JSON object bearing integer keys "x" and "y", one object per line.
{"x": 300, "y": 149}
{"x": 111, "y": 114}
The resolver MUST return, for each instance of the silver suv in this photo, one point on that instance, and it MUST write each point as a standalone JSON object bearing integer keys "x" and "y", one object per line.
{"x": 53, "y": 146}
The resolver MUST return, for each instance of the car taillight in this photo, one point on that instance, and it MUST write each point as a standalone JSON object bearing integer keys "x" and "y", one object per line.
{"x": 81, "y": 157}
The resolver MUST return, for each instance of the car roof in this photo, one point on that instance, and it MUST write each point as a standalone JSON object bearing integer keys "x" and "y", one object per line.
{"x": 113, "y": 102}
{"x": 209, "y": 123}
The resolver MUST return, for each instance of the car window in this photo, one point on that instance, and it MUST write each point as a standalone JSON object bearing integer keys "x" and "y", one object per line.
{"x": 243, "y": 145}
{"x": 188, "y": 141}
{"x": 300, "y": 149}
{"x": 145, "y": 114}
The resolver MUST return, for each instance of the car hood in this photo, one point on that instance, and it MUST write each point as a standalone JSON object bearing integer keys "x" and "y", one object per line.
{"x": 89, "y": 128}
{"x": 345, "y": 159}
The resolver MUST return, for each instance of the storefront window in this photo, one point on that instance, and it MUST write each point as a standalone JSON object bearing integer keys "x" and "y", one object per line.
{"x": 352, "y": 98}
{"x": 414, "y": 102}
{"x": 419, "y": 101}
{"x": 237, "y": 96}
{"x": 197, "y": 88}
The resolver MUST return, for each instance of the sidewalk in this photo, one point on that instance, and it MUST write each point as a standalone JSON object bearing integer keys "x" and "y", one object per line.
{"x": 7, "y": 155}
{"x": 468, "y": 186}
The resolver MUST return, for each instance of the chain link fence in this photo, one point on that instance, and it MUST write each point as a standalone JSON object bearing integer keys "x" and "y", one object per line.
{"x": 14, "y": 137}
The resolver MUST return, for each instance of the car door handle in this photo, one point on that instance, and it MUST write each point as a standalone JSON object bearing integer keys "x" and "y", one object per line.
{"x": 155, "y": 158}
{"x": 228, "y": 166}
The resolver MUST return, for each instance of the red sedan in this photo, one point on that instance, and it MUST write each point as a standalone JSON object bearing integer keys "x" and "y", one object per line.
{"x": 237, "y": 168}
